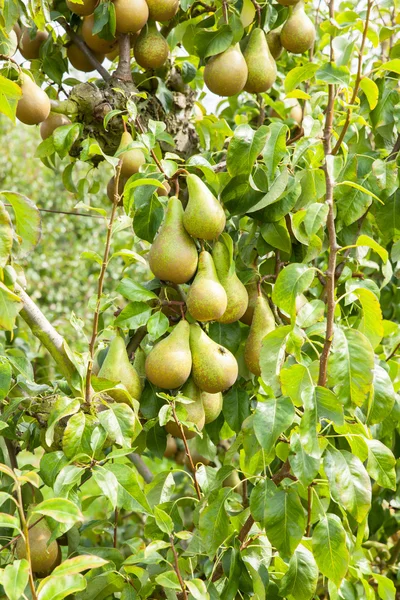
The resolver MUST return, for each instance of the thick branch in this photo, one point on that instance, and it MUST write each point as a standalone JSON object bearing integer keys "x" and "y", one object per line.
{"x": 123, "y": 71}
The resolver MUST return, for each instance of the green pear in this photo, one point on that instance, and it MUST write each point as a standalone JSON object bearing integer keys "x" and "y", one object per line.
{"x": 151, "y": 48}
{"x": 260, "y": 63}
{"x": 214, "y": 367}
{"x": 44, "y": 556}
{"x": 298, "y": 33}
{"x": 173, "y": 254}
{"x": 204, "y": 216}
{"x": 206, "y": 299}
{"x": 234, "y": 288}
{"x": 34, "y": 105}
{"x": 117, "y": 367}
{"x": 169, "y": 363}
{"x": 194, "y": 410}
{"x": 263, "y": 323}
{"x": 274, "y": 42}
{"x": 162, "y": 10}
{"x": 132, "y": 159}
{"x": 252, "y": 294}
{"x": 225, "y": 74}
{"x": 212, "y": 404}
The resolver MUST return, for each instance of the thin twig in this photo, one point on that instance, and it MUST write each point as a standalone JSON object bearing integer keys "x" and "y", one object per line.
{"x": 176, "y": 567}
{"x": 258, "y": 10}
{"x": 225, "y": 11}
{"x": 101, "y": 284}
{"x": 188, "y": 454}
{"x": 64, "y": 212}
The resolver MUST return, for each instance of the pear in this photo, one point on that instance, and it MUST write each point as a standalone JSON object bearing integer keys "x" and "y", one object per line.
{"x": 165, "y": 190}
{"x": 173, "y": 255}
{"x": 162, "y": 10}
{"x": 94, "y": 41}
{"x": 117, "y": 367}
{"x": 132, "y": 159}
{"x": 204, "y": 216}
{"x": 194, "y": 410}
{"x": 298, "y": 33}
{"x": 260, "y": 64}
{"x": 263, "y": 323}
{"x": 206, "y": 299}
{"x": 30, "y": 46}
{"x": 34, "y": 105}
{"x": 18, "y": 31}
{"x": 121, "y": 185}
{"x": 151, "y": 49}
{"x": 44, "y": 557}
{"x": 226, "y": 74}
{"x": 214, "y": 367}
{"x": 212, "y": 404}
{"x": 83, "y": 10}
{"x": 130, "y": 15}
{"x": 169, "y": 363}
{"x": 171, "y": 447}
{"x": 235, "y": 290}
{"x": 53, "y": 121}
{"x": 80, "y": 61}
{"x": 274, "y": 42}
{"x": 252, "y": 293}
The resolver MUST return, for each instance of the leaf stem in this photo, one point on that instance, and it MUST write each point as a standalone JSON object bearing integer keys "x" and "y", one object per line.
{"x": 187, "y": 450}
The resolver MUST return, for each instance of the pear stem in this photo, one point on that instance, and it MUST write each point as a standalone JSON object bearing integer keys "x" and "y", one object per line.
{"x": 100, "y": 284}
{"x": 258, "y": 9}
{"x": 124, "y": 126}
{"x": 191, "y": 463}
{"x": 225, "y": 11}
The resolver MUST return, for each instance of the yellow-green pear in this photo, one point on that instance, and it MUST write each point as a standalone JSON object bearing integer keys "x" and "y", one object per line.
{"x": 31, "y": 42}
{"x": 80, "y": 61}
{"x": 83, "y": 9}
{"x": 131, "y": 159}
{"x": 169, "y": 363}
{"x": 194, "y": 410}
{"x": 274, "y": 42}
{"x": 206, "y": 299}
{"x": 173, "y": 254}
{"x": 53, "y": 121}
{"x": 130, "y": 15}
{"x": 261, "y": 65}
{"x": 151, "y": 48}
{"x": 214, "y": 367}
{"x": 34, "y": 105}
{"x": 93, "y": 40}
{"x": 212, "y": 404}
{"x": 263, "y": 323}
{"x": 225, "y": 74}
{"x": 252, "y": 294}
{"x": 162, "y": 10}
{"x": 235, "y": 290}
{"x": 204, "y": 216}
{"x": 44, "y": 556}
{"x": 298, "y": 33}
{"x": 116, "y": 367}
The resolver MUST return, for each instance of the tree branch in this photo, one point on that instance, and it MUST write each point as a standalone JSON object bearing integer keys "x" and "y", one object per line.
{"x": 123, "y": 70}
{"x": 141, "y": 466}
{"x": 176, "y": 567}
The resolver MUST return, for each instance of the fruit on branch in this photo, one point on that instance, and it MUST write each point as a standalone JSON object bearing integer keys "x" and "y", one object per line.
{"x": 252, "y": 293}
{"x": 80, "y": 61}
{"x": 94, "y": 41}
{"x": 235, "y": 290}
{"x": 44, "y": 557}
{"x": 171, "y": 448}
{"x": 131, "y": 159}
{"x": 295, "y": 113}
{"x": 212, "y": 404}
{"x": 121, "y": 184}
{"x": 130, "y": 15}
{"x": 83, "y": 10}
{"x": 263, "y": 323}
{"x": 173, "y": 254}
{"x": 151, "y": 48}
{"x": 195, "y": 412}
{"x": 233, "y": 481}
{"x": 261, "y": 65}
{"x": 274, "y": 42}
{"x": 30, "y": 46}
{"x": 206, "y": 299}
{"x": 34, "y": 105}
{"x": 226, "y": 74}
{"x": 116, "y": 367}
{"x": 204, "y": 216}
{"x": 214, "y": 367}
{"x": 165, "y": 190}
{"x": 298, "y": 33}
{"x": 53, "y": 121}
{"x": 162, "y": 10}
{"x": 169, "y": 363}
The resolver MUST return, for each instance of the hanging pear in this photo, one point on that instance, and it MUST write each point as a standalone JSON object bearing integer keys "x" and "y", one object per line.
{"x": 116, "y": 367}
{"x": 260, "y": 63}
{"x": 204, "y": 216}
{"x": 44, "y": 556}
{"x": 34, "y": 105}
{"x": 206, "y": 299}
{"x": 298, "y": 33}
{"x": 169, "y": 363}
{"x": 130, "y": 15}
{"x": 162, "y": 10}
{"x": 31, "y": 42}
{"x": 93, "y": 40}
{"x": 274, "y": 42}
{"x": 235, "y": 290}
{"x": 194, "y": 410}
{"x": 212, "y": 404}
{"x": 173, "y": 254}
{"x": 131, "y": 159}
{"x": 80, "y": 61}
{"x": 225, "y": 74}
{"x": 151, "y": 48}
{"x": 214, "y": 367}
{"x": 263, "y": 323}
{"x": 83, "y": 9}
{"x": 252, "y": 293}
{"x": 50, "y": 124}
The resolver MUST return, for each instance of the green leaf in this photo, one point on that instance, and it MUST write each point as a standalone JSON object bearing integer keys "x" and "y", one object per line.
{"x": 371, "y": 91}
{"x": 386, "y": 588}
{"x": 236, "y": 408}
{"x": 108, "y": 484}
{"x": 382, "y": 396}
{"x": 349, "y": 482}
{"x": 10, "y": 305}
{"x": 244, "y": 148}
{"x": 275, "y": 192}
{"x": 27, "y": 221}
{"x": 365, "y": 240}
{"x": 360, "y": 188}
{"x": 390, "y": 65}
{"x": 277, "y": 235}
{"x": 330, "y": 73}
{"x": 163, "y": 521}
{"x": 214, "y": 524}
{"x": 157, "y": 325}
{"x": 292, "y": 281}
{"x": 61, "y": 586}
{"x": 130, "y": 494}
{"x": 64, "y": 138}
{"x": 147, "y": 218}
{"x": 76, "y": 439}
{"x": 304, "y": 466}
{"x": 134, "y": 315}
{"x": 328, "y": 405}
{"x": 300, "y": 580}
{"x": 372, "y": 322}
{"x": 271, "y": 418}
{"x": 62, "y": 407}
{"x": 220, "y": 41}
{"x": 5, "y": 377}
{"x": 275, "y": 147}
{"x": 6, "y": 235}
{"x": 103, "y": 586}
{"x": 169, "y": 580}
{"x": 59, "y": 509}
{"x": 121, "y": 423}
{"x": 315, "y": 218}
{"x": 134, "y": 291}
{"x": 299, "y": 74}
{"x": 329, "y": 548}
{"x": 15, "y": 579}
{"x": 78, "y": 564}
{"x": 272, "y": 356}
{"x": 9, "y": 521}
{"x": 198, "y": 589}
{"x": 381, "y": 464}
